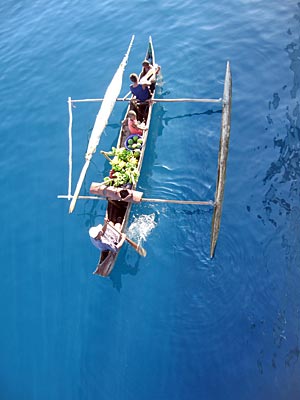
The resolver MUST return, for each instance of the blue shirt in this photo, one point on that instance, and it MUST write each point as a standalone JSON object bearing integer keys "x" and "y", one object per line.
{"x": 140, "y": 93}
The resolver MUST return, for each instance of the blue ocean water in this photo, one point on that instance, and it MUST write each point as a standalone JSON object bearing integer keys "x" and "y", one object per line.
{"x": 173, "y": 325}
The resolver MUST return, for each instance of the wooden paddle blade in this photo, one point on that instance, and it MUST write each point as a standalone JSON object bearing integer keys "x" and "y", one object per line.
{"x": 142, "y": 252}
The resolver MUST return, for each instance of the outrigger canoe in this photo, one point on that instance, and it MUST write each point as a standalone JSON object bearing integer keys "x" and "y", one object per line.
{"x": 119, "y": 205}
{"x": 119, "y": 211}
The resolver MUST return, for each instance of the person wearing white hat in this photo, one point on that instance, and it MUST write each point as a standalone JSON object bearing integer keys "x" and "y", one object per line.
{"x": 147, "y": 67}
{"x": 106, "y": 238}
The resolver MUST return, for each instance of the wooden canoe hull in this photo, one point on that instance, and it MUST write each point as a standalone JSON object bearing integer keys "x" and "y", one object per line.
{"x": 119, "y": 211}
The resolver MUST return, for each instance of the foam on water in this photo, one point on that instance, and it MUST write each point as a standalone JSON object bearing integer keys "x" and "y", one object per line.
{"x": 141, "y": 227}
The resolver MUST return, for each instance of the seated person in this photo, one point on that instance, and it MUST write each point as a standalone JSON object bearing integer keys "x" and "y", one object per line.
{"x": 147, "y": 67}
{"x": 133, "y": 124}
{"x": 141, "y": 92}
{"x": 106, "y": 238}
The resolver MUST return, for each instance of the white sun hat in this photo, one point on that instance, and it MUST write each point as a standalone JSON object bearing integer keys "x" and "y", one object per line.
{"x": 94, "y": 231}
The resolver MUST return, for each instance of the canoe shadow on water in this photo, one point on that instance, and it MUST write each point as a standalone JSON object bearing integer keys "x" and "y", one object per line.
{"x": 121, "y": 268}
{"x": 208, "y": 112}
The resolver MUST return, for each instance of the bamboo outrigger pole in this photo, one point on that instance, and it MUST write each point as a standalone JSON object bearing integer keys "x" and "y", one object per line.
{"x": 111, "y": 94}
{"x": 183, "y": 100}
{"x": 70, "y": 148}
{"x": 146, "y": 200}
{"x": 222, "y": 159}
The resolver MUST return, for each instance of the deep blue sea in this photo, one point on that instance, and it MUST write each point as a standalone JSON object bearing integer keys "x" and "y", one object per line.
{"x": 176, "y": 324}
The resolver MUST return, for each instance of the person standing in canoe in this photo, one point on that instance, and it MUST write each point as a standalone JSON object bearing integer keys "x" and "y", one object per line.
{"x": 107, "y": 238}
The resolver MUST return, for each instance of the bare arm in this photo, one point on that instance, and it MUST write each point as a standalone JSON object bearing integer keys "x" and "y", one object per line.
{"x": 122, "y": 240}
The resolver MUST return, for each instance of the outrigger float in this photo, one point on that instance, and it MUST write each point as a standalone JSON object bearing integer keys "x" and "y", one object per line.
{"x": 120, "y": 199}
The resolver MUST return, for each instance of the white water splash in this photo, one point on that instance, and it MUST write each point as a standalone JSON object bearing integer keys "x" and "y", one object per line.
{"x": 141, "y": 227}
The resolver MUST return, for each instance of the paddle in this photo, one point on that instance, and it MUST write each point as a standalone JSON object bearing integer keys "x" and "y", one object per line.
{"x": 111, "y": 94}
{"x": 142, "y": 252}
